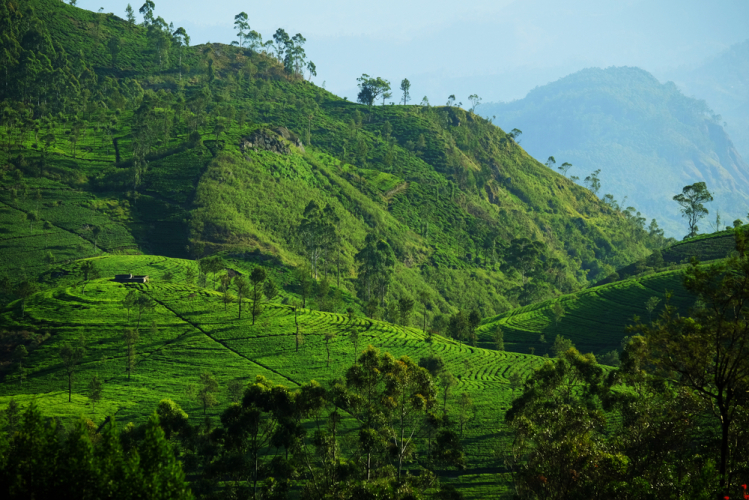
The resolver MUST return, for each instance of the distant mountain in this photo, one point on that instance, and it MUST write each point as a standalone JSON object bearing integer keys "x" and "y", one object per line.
{"x": 723, "y": 81}
{"x": 647, "y": 138}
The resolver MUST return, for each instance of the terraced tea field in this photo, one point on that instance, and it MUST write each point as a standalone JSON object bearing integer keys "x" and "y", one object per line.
{"x": 594, "y": 319}
{"x": 191, "y": 330}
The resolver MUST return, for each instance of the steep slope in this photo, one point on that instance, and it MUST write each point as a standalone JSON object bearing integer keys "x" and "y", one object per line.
{"x": 185, "y": 151}
{"x": 647, "y": 138}
{"x": 595, "y": 318}
{"x": 723, "y": 82}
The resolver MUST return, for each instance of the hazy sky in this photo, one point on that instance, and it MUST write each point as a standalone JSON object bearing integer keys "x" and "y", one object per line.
{"x": 499, "y": 49}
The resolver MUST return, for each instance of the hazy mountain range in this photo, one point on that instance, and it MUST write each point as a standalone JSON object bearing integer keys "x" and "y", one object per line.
{"x": 647, "y": 138}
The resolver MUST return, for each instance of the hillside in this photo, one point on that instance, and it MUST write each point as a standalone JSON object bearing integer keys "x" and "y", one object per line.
{"x": 186, "y": 151}
{"x": 152, "y": 155}
{"x": 595, "y": 319}
{"x": 723, "y": 82}
{"x": 647, "y": 138}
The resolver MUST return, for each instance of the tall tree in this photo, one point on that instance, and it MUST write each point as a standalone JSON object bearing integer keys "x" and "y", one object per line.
{"x": 242, "y": 27}
{"x": 376, "y": 262}
{"x": 130, "y": 338}
{"x": 475, "y": 101}
{"x": 370, "y": 88}
{"x": 564, "y": 167}
{"x": 71, "y": 356}
{"x": 207, "y": 389}
{"x": 89, "y": 271}
{"x": 130, "y": 14}
{"x": 593, "y": 182}
{"x": 708, "y": 350}
{"x": 692, "y": 199}
{"x": 243, "y": 289}
{"x": 95, "y": 389}
{"x": 257, "y": 277}
{"x": 406, "y": 89}
{"x": 144, "y": 303}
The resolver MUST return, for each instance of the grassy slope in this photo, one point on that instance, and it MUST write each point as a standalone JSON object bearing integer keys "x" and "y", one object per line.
{"x": 469, "y": 181}
{"x": 184, "y": 335}
{"x": 595, "y": 318}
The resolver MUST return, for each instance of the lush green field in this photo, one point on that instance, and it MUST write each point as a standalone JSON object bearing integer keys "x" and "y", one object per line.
{"x": 190, "y": 331}
{"x": 594, "y": 319}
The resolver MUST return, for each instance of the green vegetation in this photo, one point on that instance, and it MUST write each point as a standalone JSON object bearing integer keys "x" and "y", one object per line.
{"x": 156, "y": 191}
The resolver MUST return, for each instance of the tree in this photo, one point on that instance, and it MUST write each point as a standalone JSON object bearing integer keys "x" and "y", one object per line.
{"x": 182, "y": 39}
{"x": 242, "y": 27}
{"x": 498, "y": 338}
{"x": 514, "y": 134}
{"x": 130, "y": 14}
{"x": 95, "y": 389}
{"x": 71, "y": 355}
{"x": 708, "y": 350}
{"x": 391, "y": 397}
{"x": 405, "y": 306}
{"x": 130, "y": 339}
{"x": 115, "y": 46}
{"x": 302, "y": 276}
{"x": 95, "y": 232}
{"x": 129, "y": 302}
{"x": 316, "y": 233}
{"x": 328, "y": 337}
{"x": 593, "y": 182}
{"x": 226, "y": 295}
{"x": 19, "y": 354}
{"x": 243, "y": 289}
{"x": 23, "y": 291}
{"x": 371, "y": 88}
{"x": 144, "y": 303}
{"x": 89, "y": 271}
{"x": 147, "y": 10}
{"x": 406, "y": 89}
{"x": 376, "y": 262}
{"x": 465, "y": 411}
{"x": 561, "y": 346}
{"x": 558, "y": 311}
{"x": 550, "y": 162}
{"x": 524, "y": 256}
{"x": 270, "y": 290}
{"x": 650, "y": 305}
{"x": 235, "y": 388}
{"x": 32, "y": 218}
{"x": 458, "y": 327}
{"x": 257, "y": 277}
{"x": 354, "y": 338}
{"x": 207, "y": 389}
{"x": 475, "y": 101}
{"x": 691, "y": 200}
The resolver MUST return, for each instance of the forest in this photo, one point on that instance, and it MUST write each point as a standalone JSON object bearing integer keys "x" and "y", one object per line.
{"x": 220, "y": 280}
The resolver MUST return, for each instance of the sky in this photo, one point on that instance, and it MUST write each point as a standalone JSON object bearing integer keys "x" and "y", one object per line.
{"x": 499, "y": 49}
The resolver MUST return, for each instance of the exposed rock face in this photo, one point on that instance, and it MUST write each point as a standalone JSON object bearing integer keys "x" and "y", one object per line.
{"x": 271, "y": 140}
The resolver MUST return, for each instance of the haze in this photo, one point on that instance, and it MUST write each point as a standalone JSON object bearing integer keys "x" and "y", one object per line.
{"x": 499, "y": 49}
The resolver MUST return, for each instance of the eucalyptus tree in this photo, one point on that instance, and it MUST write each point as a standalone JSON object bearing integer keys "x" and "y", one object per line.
{"x": 406, "y": 89}
{"x": 691, "y": 200}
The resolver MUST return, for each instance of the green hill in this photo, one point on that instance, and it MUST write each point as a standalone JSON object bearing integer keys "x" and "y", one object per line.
{"x": 595, "y": 319}
{"x": 156, "y": 155}
{"x": 146, "y": 156}
{"x": 647, "y": 138}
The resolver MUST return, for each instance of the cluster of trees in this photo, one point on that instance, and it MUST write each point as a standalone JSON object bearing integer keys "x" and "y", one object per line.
{"x": 671, "y": 422}
{"x": 42, "y": 459}
{"x": 396, "y": 415}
